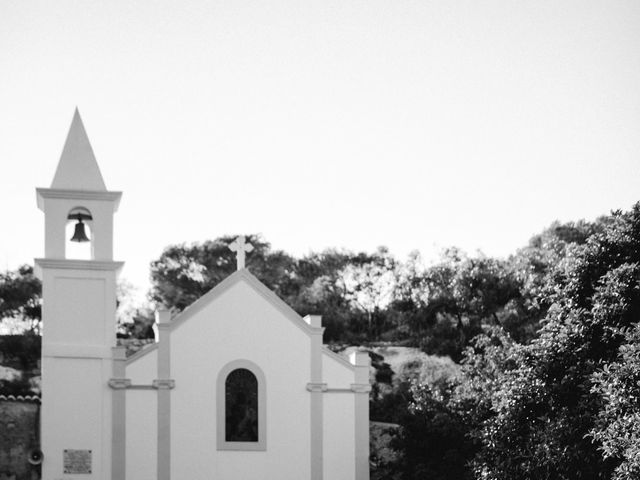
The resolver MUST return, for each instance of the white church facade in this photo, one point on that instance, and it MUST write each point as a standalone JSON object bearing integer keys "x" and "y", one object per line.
{"x": 237, "y": 387}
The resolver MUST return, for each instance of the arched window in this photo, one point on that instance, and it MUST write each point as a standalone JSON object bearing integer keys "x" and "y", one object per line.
{"x": 241, "y": 407}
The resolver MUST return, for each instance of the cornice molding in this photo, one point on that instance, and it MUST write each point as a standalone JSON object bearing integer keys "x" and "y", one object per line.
{"x": 95, "y": 195}
{"x": 360, "y": 387}
{"x": 66, "y": 264}
{"x": 164, "y": 384}
{"x": 316, "y": 387}
{"x": 120, "y": 383}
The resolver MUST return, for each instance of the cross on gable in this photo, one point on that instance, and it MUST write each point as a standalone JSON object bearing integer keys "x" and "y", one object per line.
{"x": 241, "y": 247}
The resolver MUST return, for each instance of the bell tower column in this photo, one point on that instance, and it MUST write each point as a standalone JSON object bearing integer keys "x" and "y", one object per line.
{"x": 78, "y": 314}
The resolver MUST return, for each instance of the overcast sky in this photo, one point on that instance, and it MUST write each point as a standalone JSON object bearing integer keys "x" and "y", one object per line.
{"x": 415, "y": 124}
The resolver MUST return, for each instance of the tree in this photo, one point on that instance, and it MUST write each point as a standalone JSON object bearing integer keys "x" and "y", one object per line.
{"x": 184, "y": 273}
{"x": 440, "y": 435}
{"x": 21, "y": 299}
{"x": 461, "y": 294}
{"x": 349, "y": 290}
{"x": 321, "y": 291}
{"x": 617, "y": 428}
{"x": 313, "y": 284}
{"x": 542, "y": 413}
{"x": 369, "y": 285}
{"x": 434, "y": 441}
{"x": 533, "y": 268}
{"x": 135, "y": 317}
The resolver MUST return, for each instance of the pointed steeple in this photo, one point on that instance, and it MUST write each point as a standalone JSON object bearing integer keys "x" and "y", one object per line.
{"x": 78, "y": 169}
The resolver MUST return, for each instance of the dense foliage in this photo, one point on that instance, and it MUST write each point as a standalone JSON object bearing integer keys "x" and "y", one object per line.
{"x": 365, "y": 297}
{"x": 617, "y": 427}
{"x": 565, "y": 404}
{"x": 20, "y": 298}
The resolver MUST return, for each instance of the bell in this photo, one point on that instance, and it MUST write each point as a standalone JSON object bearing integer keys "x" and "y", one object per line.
{"x": 79, "y": 235}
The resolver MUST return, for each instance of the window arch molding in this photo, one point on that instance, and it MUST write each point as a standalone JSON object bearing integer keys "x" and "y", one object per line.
{"x": 222, "y": 443}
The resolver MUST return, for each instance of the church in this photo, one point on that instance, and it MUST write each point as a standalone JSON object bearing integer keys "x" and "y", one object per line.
{"x": 238, "y": 386}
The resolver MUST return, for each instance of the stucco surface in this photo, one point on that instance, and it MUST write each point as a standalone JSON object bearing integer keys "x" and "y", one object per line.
{"x": 141, "y": 436}
{"x": 241, "y": 324}
{"x": 335, "y": 373}
{"x": 339, "y": 438}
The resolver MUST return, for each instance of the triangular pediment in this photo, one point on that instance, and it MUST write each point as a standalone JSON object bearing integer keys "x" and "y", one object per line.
{"x": 258, "y": 287}
{"x": 78, "y": 168}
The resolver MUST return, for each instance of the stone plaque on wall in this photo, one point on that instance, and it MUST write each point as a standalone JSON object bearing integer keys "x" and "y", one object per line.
{"x": 77, "y": 461}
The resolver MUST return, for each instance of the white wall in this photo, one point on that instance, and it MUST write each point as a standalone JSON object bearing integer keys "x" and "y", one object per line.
{"x": 142, "y": 419}
{"x": 142, "y": 428}
{"x": 142, "y": 368}
{"x": 339, "y": 436}
{"x": 78, "y": 333}
{"x": 79, "y": 322}
{"x": 75, "y": 413}
{"x": 335, "y": 373}
{"x": 240, "y": 324}
{"x": 338, "y": 418}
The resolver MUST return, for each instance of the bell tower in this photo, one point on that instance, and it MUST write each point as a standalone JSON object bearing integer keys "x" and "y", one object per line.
{"x": 79, "y": 310}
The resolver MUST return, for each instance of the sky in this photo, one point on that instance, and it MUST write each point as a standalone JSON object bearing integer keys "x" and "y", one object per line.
{"x": 415, "y": 124}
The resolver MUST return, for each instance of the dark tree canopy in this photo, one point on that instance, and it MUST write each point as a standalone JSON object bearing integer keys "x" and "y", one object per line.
{"x": 21, "y": 297}
{"x": 561, "y": 405}
{"x": 617, "y": 427}
{"x": 184, "y": 273}
{"x": 317, "y": 283}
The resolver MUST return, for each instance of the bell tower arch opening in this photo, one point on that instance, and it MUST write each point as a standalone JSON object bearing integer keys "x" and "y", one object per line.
{"x": 79, "y": 234}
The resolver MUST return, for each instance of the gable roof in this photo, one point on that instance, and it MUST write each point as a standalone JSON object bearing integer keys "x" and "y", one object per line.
{"x": 244, "y": 275}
